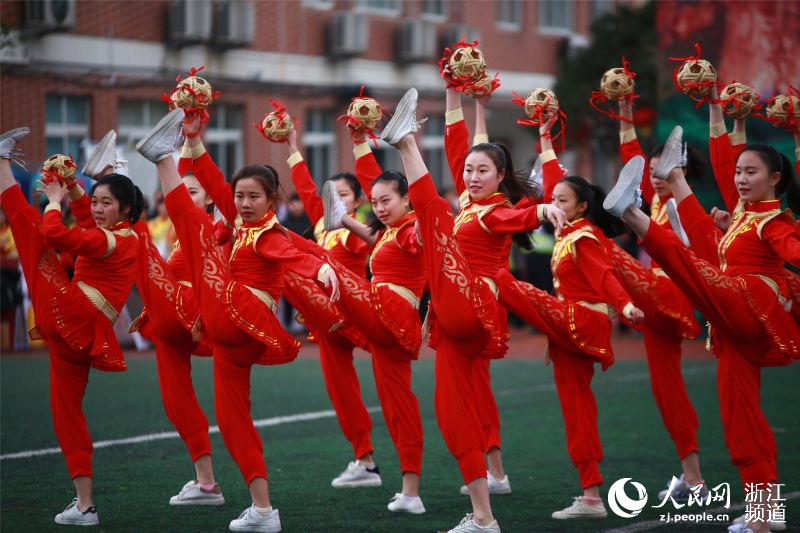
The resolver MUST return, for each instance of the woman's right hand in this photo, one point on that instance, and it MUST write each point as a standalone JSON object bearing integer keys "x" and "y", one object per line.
{"x": 555, "y": 216}
{"x": 722, "y": 219}
{"x": 192, "y": 125}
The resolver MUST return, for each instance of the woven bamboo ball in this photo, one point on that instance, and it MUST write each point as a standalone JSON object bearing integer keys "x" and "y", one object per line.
{"x": 59, "y": 167}
{"x": 277, "y": 126}
{"x": 615, "y": 84}
{"x": 541, "y": 102}
{"x": 193, "y": 92}
{"x": 780, "y": 108}
{"x": 738, "y": 100}
{"x": 481, "y": 87}
{"x": 364, "y": 113}
{"x": 467, "y": 62}
{"x": 695, "y": 77}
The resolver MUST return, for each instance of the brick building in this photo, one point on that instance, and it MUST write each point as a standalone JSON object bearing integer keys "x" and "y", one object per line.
{"x": 73, "y": 69}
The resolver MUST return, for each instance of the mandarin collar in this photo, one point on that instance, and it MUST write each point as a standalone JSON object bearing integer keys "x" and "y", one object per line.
{"x": 576, "y": 225}
{"x": 494, "y": 198}
{"x": 122, "y": 224}
{"x": 762, "y": 206}
{"x": 402, "y": 220}
{"x": 261, "y": 221}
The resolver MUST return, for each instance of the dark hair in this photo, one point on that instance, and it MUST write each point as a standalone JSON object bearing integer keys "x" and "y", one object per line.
{"x": 264, "y": 174}
{"x": 127, "y": 194}
{"x": 209, "y": 207}
{"x": 777, "y": 162}
{"x": 351, "y": 180}
{"x": 695, "y": 163}
{"x": 514, "y": 185}
{"x": 400, "y": 186}
{"x": 593, "y": 195}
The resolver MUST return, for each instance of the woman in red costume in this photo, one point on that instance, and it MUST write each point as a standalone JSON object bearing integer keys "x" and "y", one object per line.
{"x": 251, "y": 279}
{"x": 466, "y": 322}
{"x": 744, "y": 299}
{"x": 75, "y": 317}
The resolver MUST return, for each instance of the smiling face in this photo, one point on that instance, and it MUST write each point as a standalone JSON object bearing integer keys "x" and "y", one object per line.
{"x": 387, "y": 204}
{"x": 481, "y": 176}
{"x": 565, "y": 198}
{"x": 105, "y": 207}
{"x": 200, "y": 198}
{"x": 251, "y": 200}
{"x": 753, "y": 180}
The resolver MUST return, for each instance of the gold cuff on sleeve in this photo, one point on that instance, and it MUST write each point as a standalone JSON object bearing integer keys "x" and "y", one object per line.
{"x": 716, "y": 130}
{"x": 627, "y": 136}
{"x": 480, "y": 138}
{"x": 52, "y": 206}
{"x": 294, "y": 159}
{"x": 361, "y": 149}
{"x": 186, "y": 151}
{"x": 451, "y": 117}
{"x": 197, "y": 151}
{"x": 547, "y": 155}
{"x": 541, "y": 213}
{"x": 738, "y": 137}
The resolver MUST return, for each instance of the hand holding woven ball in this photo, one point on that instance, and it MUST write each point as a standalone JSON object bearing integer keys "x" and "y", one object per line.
{"x": 467, "y": 62}
{"x": 60, "y": 168}
{"x": 695, "y": 77}
{"x": 482, "y": 87}
{"x": 738, "y": 100}
{"x": 193, "y": 92}
{"x": 781, "y": 108}
{"x": 541, "y": 104}
{"x": 616, "y": 84}
{"x": 277, "y": 126}
{"x": 364, "y": 114}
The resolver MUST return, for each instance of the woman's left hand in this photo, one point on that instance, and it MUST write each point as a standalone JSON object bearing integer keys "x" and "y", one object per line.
{"x": 54, "y": 191}
{"x": 330, "y": 281}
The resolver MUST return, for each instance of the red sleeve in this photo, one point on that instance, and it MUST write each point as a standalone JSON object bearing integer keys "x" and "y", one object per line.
{"x": 407, "y": 239}
{"x": 222, "y": 233}
{"x": 704, "y": 235}
{"x": 275, "y": 245}
{"x": 594, "y": 265}
{"x": 723, "y": 163}
{"x": 308, "y": 246}
{"x": 77, "y": 241}
{"x": 367, "y": 169}
{"x": 185, "y": 164}
{"x": 356, "y": 245}
{"x": 213, "y": 181}
{"x": 551, "y": 173}
{"x": 82, "y": 209}
{"x": 456, "y": 146}
{"x": 629, "y": 150}
{"x": 782, "y": 236}
{"x": 307, "y": 189}
{"x": 506, "y": 220}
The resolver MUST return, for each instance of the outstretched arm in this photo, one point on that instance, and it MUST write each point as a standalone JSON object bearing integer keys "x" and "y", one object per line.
{"x": 362, "y": 231}
{"x": 721, "y": 151}
{"x": 303, "y": 182}
{"x": 481, "y": 133}
{"x": 629, "y": 147}
{"x": 456, "y": 144}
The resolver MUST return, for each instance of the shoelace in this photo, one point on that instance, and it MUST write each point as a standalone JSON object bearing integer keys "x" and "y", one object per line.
{"x": 120, "y": 162}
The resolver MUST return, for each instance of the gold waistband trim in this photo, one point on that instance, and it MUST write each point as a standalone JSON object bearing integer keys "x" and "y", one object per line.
{"x": 786, "y": 303}
{"x": 99, "y": 301}
{"x": 599, "y": 307}
{"x": 660, "y": 272}
{"x": 265, "y": 297}
{"x": 492, "y": 285}
{"x": 406, "y": 293}
{"x": 185, "y": 283}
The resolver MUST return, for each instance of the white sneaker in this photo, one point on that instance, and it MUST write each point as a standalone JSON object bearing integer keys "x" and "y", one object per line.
{"x": 674, "y": 154}
{"x": 161, "y": 141}
{"x": 193, "y": 494}
{"x": 121, "y": 166}
{"x": 469, "y": 525}
{"x": 579, "y": 509}
{"x": 333, "y": 207}
{"x": 358, "y": 475}
{"x": 773, "y": 525}
{"x": 71, "y": 516}
{"x": 252, "y": 520}
{"x": 9, "y": 139}
{"x": 400, "y": 503}
{"x": 626, "y": 192}
{"x": 496, "y": 486}
{"x": 681, "y": 491}
{"x": 104, "y": 155}
{"x": 404, "y": 120}
{"x": 675, "y": 221}
{"x": 739, "y": 528}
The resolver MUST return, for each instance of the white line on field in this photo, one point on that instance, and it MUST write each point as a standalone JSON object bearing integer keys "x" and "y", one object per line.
{"x": 303, "y": 417}
{"x": 653, "y": 524}
{"x": 264, "y": 422}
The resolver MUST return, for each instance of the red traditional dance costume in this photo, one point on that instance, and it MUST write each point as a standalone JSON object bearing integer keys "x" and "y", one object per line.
{"x": 745, "y": 302}
{"x": 237, "y": 301}
{"x": 578, "y": 330}
{"x": 75, "y": 317}
{"x": 456, "y": 149}
{"x": 336, "y": 337}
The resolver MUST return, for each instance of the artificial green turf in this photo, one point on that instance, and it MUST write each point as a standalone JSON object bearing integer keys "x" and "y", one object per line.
{"x": 134, "y": 482}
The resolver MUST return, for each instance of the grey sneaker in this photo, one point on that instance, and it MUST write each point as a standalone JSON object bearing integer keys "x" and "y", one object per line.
{"x": 581, "y": 509}
{"x": 496, "y": 486}
{"x": 9, "y": 140}
{"x": 675, "y": 221}
{"x": 626, "y": 192}
{"x": 404, "y": 120}
{"x": 104, "y": 155}
{"x": 161, "y": 141}
{"x": 358, "y": 475}
{"x": 252, "y": 520}
{"x": 674, "y": 154}
{"x": 469, "y": 525}
{"x": 72, "y": 516}
{"x": 333, "y": 207}
{"x": 193, "y": 494}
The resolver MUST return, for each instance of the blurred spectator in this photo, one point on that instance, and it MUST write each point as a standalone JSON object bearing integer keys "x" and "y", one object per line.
{"x": 161, "y": 230}
{"x": 452, "y": 199}
{"x": 10, "y": 289}
{"x": 294, "y": 217}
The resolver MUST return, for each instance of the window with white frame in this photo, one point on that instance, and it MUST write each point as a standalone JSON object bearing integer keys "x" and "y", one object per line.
{"x": 509, "y": 14}
{"x": 432, "y": 145}
{"x": 558, "y": 15}
{"x": 319, "y": 140}
{"x": 66, "y": 125}
{"x": 223, "y": 138}
{"x": 380, "y": 7}
{"x": 434, "y": 9}
{"x": 318, "y": 4}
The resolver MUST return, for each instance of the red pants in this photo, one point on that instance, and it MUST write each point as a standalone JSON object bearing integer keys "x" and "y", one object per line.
{"x": 69, "y": 370}
{"x": 461, "y": 336}
{"x": 748, "y": 436}
{"x": 487, "y": 406}
{"x": 235, "y": 351}
{"x": 391, "y": 365}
